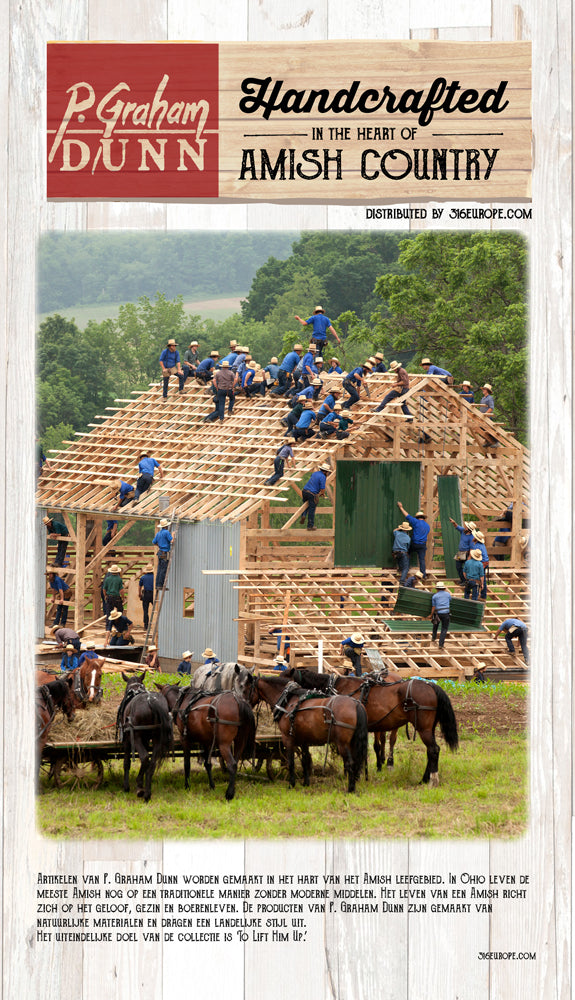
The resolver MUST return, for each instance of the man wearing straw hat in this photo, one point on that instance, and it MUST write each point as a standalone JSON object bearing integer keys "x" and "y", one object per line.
{"x": 398, "y": 389}
{"x": 56, "y": 529}
{"x": 401, "y": 543}
{"x": 480, "y": 544}
{"x": 466, "y": 543}
{"x": 421, "y": 530}
{"x": 146, "y": 467}
{"x": 321, "y": 324}
{"x": 185, "y": 664}
{"x": 473, "y": 573}
{"x": 210, "y": 660}
{"x": 163, "y": 539}
{"x": 113, "y": 591}
{"x": 352, "y": 647}
{"x": 440, "y": 607}
{"x": 170, "y": 365}
{"x": 286, "y": 368}
{"x": 69, "y": 660}
{"x": 121, "y": 629}
{"x": 191, "y": 360}
{"x": 312, "y": 491}
{"x": 435, "y": 370}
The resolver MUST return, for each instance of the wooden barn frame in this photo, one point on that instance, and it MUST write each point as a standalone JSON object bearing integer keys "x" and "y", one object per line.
{"x": 217, "y": 472}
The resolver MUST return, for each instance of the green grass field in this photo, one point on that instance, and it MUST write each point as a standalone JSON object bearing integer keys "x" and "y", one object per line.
{"x": 216, "y": 309}
{"x": 483, "y": 791}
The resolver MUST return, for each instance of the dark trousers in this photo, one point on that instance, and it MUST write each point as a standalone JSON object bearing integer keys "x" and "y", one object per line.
{"x": 110, "y": 604}
{"x": 420, "y": 551}
{"x": 166, "y": 382}
{"x": 303, "y": 432}
{"x": 402, "y": 559}
{"x": 143, "y": 484}
{"x": 471, "y": 590}
{"x": 162, "y": 569}
{"x": 521, "y": 634}
{"x": 460, "y": 563}
{"x": 147, "y": 599}
{"x": 394, "y": 394}
{"x": 61, "y": 614}
{"x": 278, "y": 472}
{"x": 126, "y": 499}
{"x": 355, "y": 656}
{"x": 255, "y": 389}
{"x": 443, "y": 620}
{"x": 353, "y": 395}
{"x": 283, "y": 382}
{"x": 311, "y": 506}
{"x": 60, "y": 553}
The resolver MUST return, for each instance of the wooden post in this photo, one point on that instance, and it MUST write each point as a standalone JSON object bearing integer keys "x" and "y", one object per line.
{"x": 79, "y": 597}
{"x": 97, "y": 572}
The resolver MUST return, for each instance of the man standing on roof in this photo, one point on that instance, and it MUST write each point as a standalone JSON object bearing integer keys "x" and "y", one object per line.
{"x": 473, "y": 574}
{"x": 163, "y": 539}
{"x": 487, "y": 407}
{"x": 354, "y": 382}
{"x": 352, "y": 647}
{"x": 170, "y": 365}
{"x": 225, "y": 382}
{"x": 440, "y": 605}
{"x": 312, "y": 491}
{"x": 514, "y": 628}
{"x": 146, "y": 592}
{"x": 434, "y": 370}
{"x": 466, "y": 543}
{"x": 401, "y": 543}
{"x": 421, "y": 530}
{"x": 399, "y": 389}
{"x": 147, "y": 466}
{"x": 321, "y": 326}
{"x": 56, "y": 529}
{"x": 285, "y": 370}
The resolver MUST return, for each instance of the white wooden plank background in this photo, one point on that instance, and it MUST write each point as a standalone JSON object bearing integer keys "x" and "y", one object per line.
{"x": 409, "y": 957}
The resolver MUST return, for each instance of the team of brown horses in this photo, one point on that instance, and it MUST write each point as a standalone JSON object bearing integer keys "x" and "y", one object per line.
{"x": 310, "y": 709}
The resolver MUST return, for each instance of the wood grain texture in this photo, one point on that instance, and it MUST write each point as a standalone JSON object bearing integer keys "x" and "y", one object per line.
{"x": 346, "y": 958}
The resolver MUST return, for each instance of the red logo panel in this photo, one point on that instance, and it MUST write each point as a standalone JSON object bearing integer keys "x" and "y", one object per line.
{"x": 132, "y": 121}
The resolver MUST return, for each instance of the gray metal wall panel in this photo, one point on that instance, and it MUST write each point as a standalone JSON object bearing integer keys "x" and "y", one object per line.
{"x": 204, "y": 545}
{"x": 40, "y": 581}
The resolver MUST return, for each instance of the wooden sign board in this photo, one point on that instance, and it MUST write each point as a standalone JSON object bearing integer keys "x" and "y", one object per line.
{"x": 331, "y": 121}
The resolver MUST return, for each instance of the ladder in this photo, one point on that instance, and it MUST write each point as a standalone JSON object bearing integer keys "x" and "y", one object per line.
{"x": 154, "y": 618}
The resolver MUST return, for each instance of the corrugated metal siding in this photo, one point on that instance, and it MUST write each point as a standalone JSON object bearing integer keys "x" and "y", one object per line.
{"x": 367, "y": 511}
{"x": 449, "y": 495}
{"x": 205, "y": 545}
{"x": 40, "y": 581}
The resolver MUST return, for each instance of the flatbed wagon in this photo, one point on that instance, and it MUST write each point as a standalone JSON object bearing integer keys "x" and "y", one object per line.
{"x": 82, "y": 764}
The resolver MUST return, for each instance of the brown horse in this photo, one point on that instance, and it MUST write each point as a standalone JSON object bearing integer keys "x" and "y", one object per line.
{"x": 143, "y": 722}
{"x": 221, "y": 720}
{"x": 391, "y": 702}
{"x": 57, "y": 694}
{"x": 306, "y": 721}
{"x": 86, "y": 686}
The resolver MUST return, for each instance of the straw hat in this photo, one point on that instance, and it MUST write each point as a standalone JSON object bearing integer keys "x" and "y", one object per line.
{"x": 152, "y": 649}
{"x": 394, "y": 365}
{"x": 115, "y": 614}
{"x": 418, "y": 574}
{"x": 214, "y": 354}
{"x": 233, "y": 343}
{"x": 466, "y": 382}
{"x": 334, "y": 359}
{"x": 143, "y": 454}
{"x": 479, "y": 537}
{"x": 70, "y": 646}
{"x": 318, "y": 359}
{"x": 308, "y": 405}
{"x": 172, "y": 342}
{"x": 440, "y": 585}
{"x": 476, "y": 554}
{"x": 356, "y": 637}
{"x": 318, "y": 309}
{"x": 164, "y": 523}
{"x": 379, "y": 356}
{"x": 114, "y": 569}
{"x": 279, "y": 659}
{"x": 372, "y": 360}
{"x": 193, "y": 343}
{"x": 302, "y": 397}
{"x": 225, "y": 364}
{"x": 47, "y": 520}
{"x": 251, "y": 365}
{"x": 337, "y": 406}
{"x": 297, "y": 347}
{"x": 419, "y": 513}
{"x": 91, "y": 644}
{"x": 486, "y": 386}
{"x": 274, "y": 361}
{"x": 425, "y": 361}
{"x": 186, "y": 654}
{"x": 470, "y": 525}
{"x": 312, "y": 347}
{"x": 316, "y": 381}
{"x": 368, "y": 365}
{"x": 325, "y": 468}
{"x": 405, "y": 526}
{"x": 148, "y": 568}
{"x": 208, "y": 652}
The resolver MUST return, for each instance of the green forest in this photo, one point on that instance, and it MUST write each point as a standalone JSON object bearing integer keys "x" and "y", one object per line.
{"x": 458, "y": 297}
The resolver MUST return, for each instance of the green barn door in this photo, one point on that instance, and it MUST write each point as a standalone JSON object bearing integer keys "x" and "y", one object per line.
{"x": 367, "y": 512}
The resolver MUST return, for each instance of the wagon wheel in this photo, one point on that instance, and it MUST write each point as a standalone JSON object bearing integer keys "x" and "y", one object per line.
{"x": 277, "y": 766}
{"x": 73, "y": 774}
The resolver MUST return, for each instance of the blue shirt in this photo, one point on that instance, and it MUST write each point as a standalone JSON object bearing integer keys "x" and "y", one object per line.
{"x": 125, "y": 489}
{"x": 468, "y": 395}
{"x": 68, "y": 662}
{"x": 272, "y": 370}
{"x": 147, "y": 581}
{"x": 307, "y": 392}
{"x": 335, "y": 368}
{"x": 110, "y": 524}
{"x": 169, "y": 359}
{"x": 184, "y": 667}
{"x": 330, "y": 417}
{"x": 441, "y": 601}
{"x": 89, "y": 654}
{"x": 401, "y": 540}
{"x": 466, "y": 542}
{"x": 308, "y": 362}
{"x": 289, "y": 362}
{"x": 163, "y": 540}
{"x": 248, "y": 377}
{"x": 307, "y": 417}
{"x": 381, "y": 368}
{"x": 231, "y": 358}
{"x": 320, "y": 324}
{"x": 58, "y": 583}
{"x": 420, "y": 527}
{"x": 354, "y": 645}
{"x": 205, "y": 365}
{"x": 356, "y": 374}
{"x": 486, "y": 403}
{"x": 434, "y": 370}
{"x": 327, "y": 405}
{"x": 239, "y": 362}
{"x": 483, "y": 550}
{"x": 512, "y": 623}
{"x": 286, "y": 451}
{"x": 147, "y": 466}
{"x": 473, "y": 569}
{"x": 316, "y": 482}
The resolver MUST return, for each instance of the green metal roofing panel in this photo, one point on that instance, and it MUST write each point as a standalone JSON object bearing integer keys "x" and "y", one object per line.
{"x": 465, "y": 616}
{"x": 367, "y": 512}
{"x": 449, "y": 496}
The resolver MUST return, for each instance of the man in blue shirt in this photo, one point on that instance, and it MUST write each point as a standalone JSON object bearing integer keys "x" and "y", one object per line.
{"x": 321, "y": 326}
{"x": 334, "y": 367}
{"x": 354, "y": 382}
{"x": 434, "y": 370}
{"x": 185, "y": 664}
{"x": 440, "y": 605}
{"x": 421, "y": 530}
{"x": 401, "y": 543}
{"x": 121, "y": 627}
{"x": 480, "y": 544}
{"x": 514, "y": 628}
{"x": 163, "y": 539}
{"x": 89, "y": 653}
{"x": 303, "y": 428}
{"x": 69, "y": 660}
{"x": 487, "y": 407}
{"x": 352, "y": 647}
{"x": 312, "y": 491}
{"x": 380, "y": 368}
{"x": 125, "y": 493}
{"x": 271, "y": 372}
{"x": 328, "y": 404}
{"x": 146, "y": 591}
{"x": 286, "y": 368}
{"x": 473, "y": 574}
{"x": 466, "y": 543}
{"x": 210, "y": 659}
{"x": 466, "y": 391}
{"x": 61, "y": 593}
{"x": 206, "y": 368}
{"x": 284, "y": 454}
{"x": 111, "y": 531}
{"x": 146, "y": 467}
{"x": 170, "y": 365}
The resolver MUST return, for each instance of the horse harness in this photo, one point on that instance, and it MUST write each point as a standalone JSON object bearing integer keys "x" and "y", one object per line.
{"x": 213, "y": 716}
{"x": 126, "y": 726}
{"x": 43, "y": 695}
{"x": 81, "y": 691}
{"x": 291, "y": 689}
